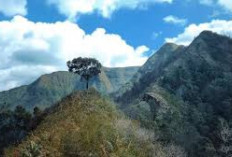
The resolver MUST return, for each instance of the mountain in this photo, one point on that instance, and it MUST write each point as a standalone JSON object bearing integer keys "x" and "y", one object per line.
{"x": 84, "y": 124}
{"x": 208, "y": 56}
{"x": 185, "y": 94}
{"x": 150, "y": 71}
{"x": 51, "y": 88}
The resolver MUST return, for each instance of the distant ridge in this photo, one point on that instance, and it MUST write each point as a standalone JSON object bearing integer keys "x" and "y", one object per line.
{"x": 50, "y": 88}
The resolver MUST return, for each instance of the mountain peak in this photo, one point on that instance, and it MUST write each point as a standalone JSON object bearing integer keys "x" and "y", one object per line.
{"x": 170, "y": 46}
{"x": 212, "y": 37}
{"x": 209, "y": 43}
{"x": 208, "y": 35}
{"x": 207, "y": 32}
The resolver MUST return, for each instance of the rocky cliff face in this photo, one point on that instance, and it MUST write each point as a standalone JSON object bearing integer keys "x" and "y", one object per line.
{"x": 50, "y": 88}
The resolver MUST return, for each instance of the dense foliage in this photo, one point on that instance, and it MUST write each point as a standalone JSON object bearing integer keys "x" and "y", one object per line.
{"x": 196, "y": 90}
{"x": 15, "y": 125}
{"x": 85, "y": 67}
{"x": 207, "y": 92}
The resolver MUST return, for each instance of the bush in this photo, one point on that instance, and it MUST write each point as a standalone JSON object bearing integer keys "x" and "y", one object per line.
{"x": 32, "y": 150}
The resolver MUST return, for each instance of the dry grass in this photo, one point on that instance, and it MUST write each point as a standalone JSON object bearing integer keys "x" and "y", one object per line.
{"x": 85, "y": 125}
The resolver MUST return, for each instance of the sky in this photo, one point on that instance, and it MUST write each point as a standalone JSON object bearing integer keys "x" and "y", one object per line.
{"x": 39, "y": 36}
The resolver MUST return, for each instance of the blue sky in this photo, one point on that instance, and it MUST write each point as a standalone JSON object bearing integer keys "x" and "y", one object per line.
{"x": 41, "y": 35}
{"x": 136, "y": 26}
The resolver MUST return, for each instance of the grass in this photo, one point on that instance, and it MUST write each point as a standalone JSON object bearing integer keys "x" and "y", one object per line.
{"x": 85, "y": 124}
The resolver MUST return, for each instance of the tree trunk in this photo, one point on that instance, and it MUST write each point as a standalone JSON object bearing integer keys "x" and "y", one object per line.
{"x": 87, "y": 84}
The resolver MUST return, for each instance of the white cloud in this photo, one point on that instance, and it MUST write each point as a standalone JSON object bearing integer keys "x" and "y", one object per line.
{"x": 219, "y": 26}
{"x": 206, "y": 2}
{"x": 72, "y": 8}
{"x": 20, "y": 75}
{"x": 29, "y": 49}
{"x": 13, "y": 7}
{"x": 175, "y": 20}
{"x": 227, "y": 4}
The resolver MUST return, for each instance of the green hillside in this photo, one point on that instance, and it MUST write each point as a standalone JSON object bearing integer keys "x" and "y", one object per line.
{"x": 185, "y": 93}
{"x": 51, "y": 88}
{"x": 85, "y": 124}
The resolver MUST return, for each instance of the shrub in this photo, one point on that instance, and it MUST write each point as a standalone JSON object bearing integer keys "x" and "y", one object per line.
{"x": 32, "y": 150}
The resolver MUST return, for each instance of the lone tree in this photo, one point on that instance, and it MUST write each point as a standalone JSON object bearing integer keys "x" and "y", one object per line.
{"x": 85, "y": 67}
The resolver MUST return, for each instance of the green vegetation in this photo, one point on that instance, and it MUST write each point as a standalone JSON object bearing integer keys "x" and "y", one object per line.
{"x": 51, "y": 88}
{"x": 180, "y": 101}
{"x": 16, "y": 125}
{"x": 85, "y": 67}
{"x": 32, "y": 150}
{"x": 195, "y": 84}
{"x": 84, "y": 124}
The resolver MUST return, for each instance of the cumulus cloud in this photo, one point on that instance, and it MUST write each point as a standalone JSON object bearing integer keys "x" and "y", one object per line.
{"x": 14, "y": 76}
{"x": 13, "y": 7}
{"x": 72, "y": 8}
{"x": 227, "y": 4}
{"x": 175, "y": 20}
{"x": 219, "y": 26}
{"x": 29, "y": 49}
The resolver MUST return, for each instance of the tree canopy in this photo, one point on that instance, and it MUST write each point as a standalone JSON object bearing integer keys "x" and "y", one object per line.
{"x": 85, "y": 67}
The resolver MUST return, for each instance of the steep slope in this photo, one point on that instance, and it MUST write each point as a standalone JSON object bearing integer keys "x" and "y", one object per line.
{"x": 209, "y": 54}
{"x": 207, "y": 59}
{"x": 49, "y": 89}
{"x": 149, "y": 72}
{"x": 84, "y": 124}
{"x": 188, "y": 97}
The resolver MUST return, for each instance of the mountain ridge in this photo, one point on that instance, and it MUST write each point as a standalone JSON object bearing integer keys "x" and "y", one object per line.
{"x": 183, "y": 94}
{"x": 196, "y": 87}
{"x": 50, "y": 88}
